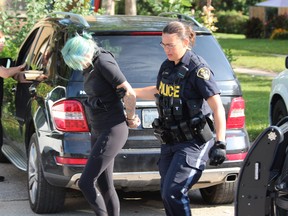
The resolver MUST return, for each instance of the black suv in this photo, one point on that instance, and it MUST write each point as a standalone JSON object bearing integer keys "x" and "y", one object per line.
{"x": 45, "y": 129}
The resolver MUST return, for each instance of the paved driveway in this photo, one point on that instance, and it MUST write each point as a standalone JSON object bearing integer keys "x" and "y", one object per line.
{"x": 14, "y": 200}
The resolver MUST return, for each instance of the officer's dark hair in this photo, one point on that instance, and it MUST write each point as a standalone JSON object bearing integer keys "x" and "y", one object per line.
{"x": 183, "y": 31}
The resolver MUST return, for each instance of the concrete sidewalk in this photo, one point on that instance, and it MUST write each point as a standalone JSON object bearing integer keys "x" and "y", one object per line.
{"x": 255, "y": 72}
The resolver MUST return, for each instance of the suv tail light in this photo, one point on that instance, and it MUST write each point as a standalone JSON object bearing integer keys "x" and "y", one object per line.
{"x": 69, "y": 116}
{"x": 236, "y": 115}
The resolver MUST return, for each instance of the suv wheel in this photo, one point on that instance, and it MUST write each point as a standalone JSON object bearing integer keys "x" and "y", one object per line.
{"x": 43, "y": 197}
{"x": 279, "y": 111}
{"x": 219, "y": 194}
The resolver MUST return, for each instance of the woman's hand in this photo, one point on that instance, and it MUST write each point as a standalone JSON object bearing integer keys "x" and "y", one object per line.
{"x": 134, "y": 122}
{"x": 21, "y": 67}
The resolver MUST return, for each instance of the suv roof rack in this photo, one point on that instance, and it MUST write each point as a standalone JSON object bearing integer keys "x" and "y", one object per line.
{"x": 74, "y": 18}
{"x": 181, "y": 17}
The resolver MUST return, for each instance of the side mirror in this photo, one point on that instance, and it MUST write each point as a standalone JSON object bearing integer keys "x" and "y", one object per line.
{"x": 6, "y": 62}
{"x": 286, "y": 62}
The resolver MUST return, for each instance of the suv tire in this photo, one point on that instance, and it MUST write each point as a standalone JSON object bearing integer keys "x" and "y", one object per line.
{"x": 219, "y": 194}
{"x": 279, "y": 111}
{"x": 43, "y": 197}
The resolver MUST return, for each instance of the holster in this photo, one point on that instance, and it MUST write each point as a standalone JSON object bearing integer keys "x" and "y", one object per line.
{"x": 163, "y": 136}
{"x": 166, "y": 135}
{"x": 200, "y": 128}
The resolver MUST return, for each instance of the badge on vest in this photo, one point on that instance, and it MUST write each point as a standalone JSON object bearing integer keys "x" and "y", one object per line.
{"x": 204, "y": 73}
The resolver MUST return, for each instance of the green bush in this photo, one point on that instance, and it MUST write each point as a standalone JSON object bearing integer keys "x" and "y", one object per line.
{"x": 15, "y": 27}
{"x": 280, "y": 21}
{"x": 254, "y": 28}
{"x": 230, "y": 22}
{"x": 6, "y": 53}
{"x": 277, "y": 22}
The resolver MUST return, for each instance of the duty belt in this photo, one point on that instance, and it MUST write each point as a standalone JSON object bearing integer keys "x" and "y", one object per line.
{"x": 196, "y": 127}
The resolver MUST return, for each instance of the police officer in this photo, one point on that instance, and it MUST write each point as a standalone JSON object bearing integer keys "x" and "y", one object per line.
{"x": 106, "y": 87}
{"x": 185, "y": 84}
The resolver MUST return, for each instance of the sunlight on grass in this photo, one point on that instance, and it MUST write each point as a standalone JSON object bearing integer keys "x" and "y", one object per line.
{"x": 229, "y": 36}
{"x": 267, "y": 63}
{"x": 265, "y": 54}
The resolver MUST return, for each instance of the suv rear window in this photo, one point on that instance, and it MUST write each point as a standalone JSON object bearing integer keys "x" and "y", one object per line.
{"x": 140, "y": 57}
{"x": 209, "y": 49}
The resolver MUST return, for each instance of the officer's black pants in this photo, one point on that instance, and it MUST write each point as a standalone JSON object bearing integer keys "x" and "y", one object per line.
{"x": 180, "y": 167}
{"x": 99, "y": 170}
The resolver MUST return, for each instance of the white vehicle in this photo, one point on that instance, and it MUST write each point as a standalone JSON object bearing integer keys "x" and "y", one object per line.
{"x": 278, "y": 100}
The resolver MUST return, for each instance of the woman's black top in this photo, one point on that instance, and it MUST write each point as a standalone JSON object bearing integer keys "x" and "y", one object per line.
{"x": 103, "y": 106}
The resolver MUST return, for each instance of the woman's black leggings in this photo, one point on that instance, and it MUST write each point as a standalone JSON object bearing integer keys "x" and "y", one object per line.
{"x": 98, "y": 171}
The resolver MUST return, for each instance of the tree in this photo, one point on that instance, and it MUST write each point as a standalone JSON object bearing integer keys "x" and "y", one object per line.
{"x": 108, "y": 6}
{"x": 16, "y": 26}
{"x": 208, "y": 17}
{"x": 124, "y": 6}
{"x": 130, "y": 7}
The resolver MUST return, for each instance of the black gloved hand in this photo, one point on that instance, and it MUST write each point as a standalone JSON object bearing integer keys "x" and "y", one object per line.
{"x": 217, "y": 154}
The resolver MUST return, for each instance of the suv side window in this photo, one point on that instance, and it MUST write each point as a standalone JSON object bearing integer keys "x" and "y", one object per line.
{"x": 64, "y": 73}
{"x": 26, "y": 48}
{"x": 42, "y": 54}
{"x": 38, "y": 44}
{"x": 22, "y": 95}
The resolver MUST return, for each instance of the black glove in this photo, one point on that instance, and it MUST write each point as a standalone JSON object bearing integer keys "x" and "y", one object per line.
{"x": 217, "y": 154}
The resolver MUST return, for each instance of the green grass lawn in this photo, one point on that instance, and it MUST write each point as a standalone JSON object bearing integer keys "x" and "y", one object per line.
{"x": 256, "y": 90}
{"x": 265, "y": 54}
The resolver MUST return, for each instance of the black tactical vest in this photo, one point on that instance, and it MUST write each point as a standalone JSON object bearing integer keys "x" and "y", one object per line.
{"x": 172, "y": 105}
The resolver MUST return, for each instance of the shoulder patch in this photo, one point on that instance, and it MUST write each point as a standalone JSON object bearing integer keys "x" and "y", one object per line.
{"x": 204, "y": 73}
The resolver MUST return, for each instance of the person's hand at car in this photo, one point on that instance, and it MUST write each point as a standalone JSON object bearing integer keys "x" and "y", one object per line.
{"x": 22, "y": 67}
{"x": 8, "y": 72}
{"x": 11, "y": 72}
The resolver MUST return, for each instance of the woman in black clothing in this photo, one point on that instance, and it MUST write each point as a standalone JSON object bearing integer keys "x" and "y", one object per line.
{"x": 106, "y": 87}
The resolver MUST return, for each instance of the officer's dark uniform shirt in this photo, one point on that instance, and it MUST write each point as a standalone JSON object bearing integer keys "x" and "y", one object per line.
{"x": 103, "y": 106}
{"x": 199, "y": 80}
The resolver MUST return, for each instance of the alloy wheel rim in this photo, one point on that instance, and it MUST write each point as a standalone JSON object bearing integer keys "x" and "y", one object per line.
{"x": 33, "y": 173}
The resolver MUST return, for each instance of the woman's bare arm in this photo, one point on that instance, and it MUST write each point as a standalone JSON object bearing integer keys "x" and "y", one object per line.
{"x": 129, "y": 99}
{"x": 10, "y": 72}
